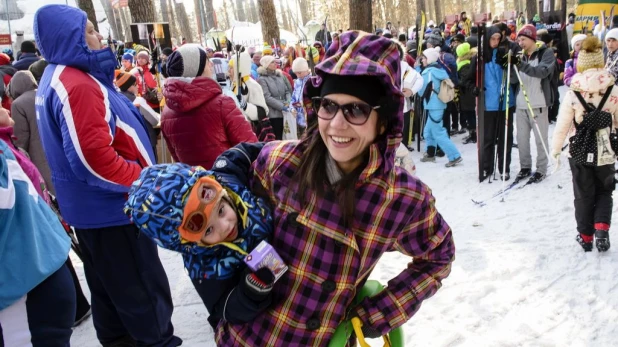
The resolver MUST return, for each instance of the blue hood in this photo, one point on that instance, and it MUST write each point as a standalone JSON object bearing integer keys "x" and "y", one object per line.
{"x": 59, "y": 31}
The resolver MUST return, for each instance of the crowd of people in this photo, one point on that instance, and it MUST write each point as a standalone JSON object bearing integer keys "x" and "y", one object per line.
{"x": 78, "y": 157}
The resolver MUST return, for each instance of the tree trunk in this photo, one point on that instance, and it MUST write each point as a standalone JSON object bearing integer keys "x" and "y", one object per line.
{"x": 254, "y": 17}
{"x": 420, "y": 7}
{"x": 240, "y": 11}
{"x": 226, "y": 16}
{"x": 284, "y": 23}
{"x": 530, "y": 9}
{"x": 198, "y": 15}
{"x": 142, "y": 11}
{"x": 173, "y": 28}
{"x": 439, "y": 17}
{"x": 360, "y": 15}
{"x": 164, "y": 13}
{"x": 268, "y": 17}
{"x": 209, "y": 13}
{"x": 112, "y": 20}
{"x": 88, "y": 7}
{"x": 118, "y": 19}
{"x": 183, "y": 20}
{"x": 126, "y": 22}
{"x": 483, "y": 8}
{"x": 304, "y": 12}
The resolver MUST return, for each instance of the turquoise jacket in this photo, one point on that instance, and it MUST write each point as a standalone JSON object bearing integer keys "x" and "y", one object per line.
{"x": 33, "y": 243}
{"x": 437, "y": 75}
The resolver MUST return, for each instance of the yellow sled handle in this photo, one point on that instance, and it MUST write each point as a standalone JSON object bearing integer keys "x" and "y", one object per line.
{"x": 393, "y": 339}
{"x": 357, "y": 324}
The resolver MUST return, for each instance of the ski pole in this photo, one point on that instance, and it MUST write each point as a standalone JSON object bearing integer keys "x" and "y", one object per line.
{"x": 506, "y": 121}
{"x": 532, "y": 115}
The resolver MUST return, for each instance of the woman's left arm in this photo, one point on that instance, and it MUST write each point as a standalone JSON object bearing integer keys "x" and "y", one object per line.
{"x": 428, "y": 240}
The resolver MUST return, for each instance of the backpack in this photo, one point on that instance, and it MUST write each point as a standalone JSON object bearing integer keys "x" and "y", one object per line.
{"x": 591, "y": 132}
{"x": 447, "y": 90}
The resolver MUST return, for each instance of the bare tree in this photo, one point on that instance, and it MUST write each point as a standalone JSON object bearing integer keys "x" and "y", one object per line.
{"x": 438, "y": 8}
{"x": 88, "y": 7}
{"x": 173, "y": 28}
{"x": 530, "y": 9}
{"x": 268, "y": 17}
{"x": 183, "y": 20}
{"x": 360, "y": 15}
{"x": 142, "y": 11}
{"x": 122, "y": 35}
{"x": 125, "y": 16}
{"x": 163, "y": 5}
{"x": 253, "y": 12}
{"x": 112, "y": 20}
{"x": 209, "y": 12}
{"x": 240, "y": 11}
{"x": 304, "y": 12}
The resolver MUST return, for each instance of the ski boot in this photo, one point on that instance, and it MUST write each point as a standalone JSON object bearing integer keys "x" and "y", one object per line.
{"x": 505, "y": 177}
{"x": 454, "y": 162}
{"x": 430, "y": 155}
{"x": 471, "y": 138}
{"x": 585, "y": 241}
{"x": 601, "y": 234}
{"x": 536, "y": 178}
{"x": 523, "y": 173}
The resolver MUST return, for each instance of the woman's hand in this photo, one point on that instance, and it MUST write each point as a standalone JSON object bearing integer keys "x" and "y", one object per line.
{"x": 406, "y": 92}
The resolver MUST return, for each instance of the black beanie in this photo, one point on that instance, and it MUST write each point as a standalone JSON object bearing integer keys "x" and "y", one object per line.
{"x": 28, "y": 47}
{"x": 367, "y": 88}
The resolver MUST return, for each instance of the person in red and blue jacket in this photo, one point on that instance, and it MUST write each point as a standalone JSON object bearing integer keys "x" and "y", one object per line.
{"x": 96, "y": 146}
{"x": 326, "y": 189}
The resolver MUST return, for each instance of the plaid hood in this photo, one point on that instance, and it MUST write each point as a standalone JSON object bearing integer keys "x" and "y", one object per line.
{"x": 360, "y": 53}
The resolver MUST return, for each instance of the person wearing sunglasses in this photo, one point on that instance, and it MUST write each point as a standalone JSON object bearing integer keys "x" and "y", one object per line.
{"x": 434, "y": 132}
{"x": 340, "y": 203}
{"x": 214, "y": 224}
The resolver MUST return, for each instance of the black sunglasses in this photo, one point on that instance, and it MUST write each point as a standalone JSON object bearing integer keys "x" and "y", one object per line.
{"x": 355, "y": 112}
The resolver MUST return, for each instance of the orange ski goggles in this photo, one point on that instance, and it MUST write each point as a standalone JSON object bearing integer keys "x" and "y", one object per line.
{"x": 203, "y": 199}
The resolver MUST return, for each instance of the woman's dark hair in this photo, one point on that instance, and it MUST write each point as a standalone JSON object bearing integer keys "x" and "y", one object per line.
{"x": 312, "y": 175}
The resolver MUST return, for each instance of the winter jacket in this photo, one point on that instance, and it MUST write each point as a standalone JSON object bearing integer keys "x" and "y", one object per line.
{"x": 611, "y": 64}
{"x": 570, "y": 69}
{"x": 467, "y": 99}
{"x": 25, "y": 60}
{"x": 217, "y": 268}
{"x": 256, "y": 104}
{"x": 319, "y": 36}
{"x": 33, "y": 243}
{"x": 437, "y": 76}
{"x": 277, "y": 91}
{"x": 23, "y": 90}
{"x": 536, "y": 72}
{"x": 495, "y": 99}
{"x": 199, "y": 123}
{"x": 592, "y": 85}
{"x": 145, "y": 81}
{"x": 410, "y": 79}
{"x": 6, "y": 135}
{"x": 254, "y": 73}
{"x": 329, "y": 262}
{"x": 93, "y": 138}
{"x": 297, "y": 99}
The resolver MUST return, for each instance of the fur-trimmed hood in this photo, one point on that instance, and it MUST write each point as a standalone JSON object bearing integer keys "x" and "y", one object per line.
{"x": 262, "y": 71}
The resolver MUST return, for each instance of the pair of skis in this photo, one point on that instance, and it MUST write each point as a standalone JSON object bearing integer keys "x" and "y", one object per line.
{"x": 418, "y": 106}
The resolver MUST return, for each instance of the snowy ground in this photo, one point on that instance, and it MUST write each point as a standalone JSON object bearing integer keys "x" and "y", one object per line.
{"x": 519, "y": 278}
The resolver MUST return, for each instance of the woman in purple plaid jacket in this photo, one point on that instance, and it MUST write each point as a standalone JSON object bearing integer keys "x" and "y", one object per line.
{"x": 340, "y": 203}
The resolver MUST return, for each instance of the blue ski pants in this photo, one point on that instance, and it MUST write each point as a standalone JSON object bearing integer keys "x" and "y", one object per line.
{"x": 436, "y": 135}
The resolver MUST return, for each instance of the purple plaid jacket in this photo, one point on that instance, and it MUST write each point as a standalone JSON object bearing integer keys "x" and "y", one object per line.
{"x": 327, "y": 262}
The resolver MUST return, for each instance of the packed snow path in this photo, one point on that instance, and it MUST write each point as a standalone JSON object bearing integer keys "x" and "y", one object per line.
{"x": 519, "y": 277}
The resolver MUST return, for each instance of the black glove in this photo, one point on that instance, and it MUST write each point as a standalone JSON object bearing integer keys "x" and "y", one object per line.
{"x": 475, "y": 91}
{"x": 370, "y": 332}
{"x": 242, "y": 103}
{"x": 258, "y": 285}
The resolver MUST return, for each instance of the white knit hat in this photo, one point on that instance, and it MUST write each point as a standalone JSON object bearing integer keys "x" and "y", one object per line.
{"x": 612, "y": 34}
{"x": 432, "y": 54}
{"x": 299, "y": 65}
{"x": 577, "y": 38}
{"x": 266, "y": 60}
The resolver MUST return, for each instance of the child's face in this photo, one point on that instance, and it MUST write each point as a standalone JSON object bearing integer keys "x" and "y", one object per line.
{"x": 127, "y": 64}
{"x": 302, "y": 74}
{"x": 223, "y": 226}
